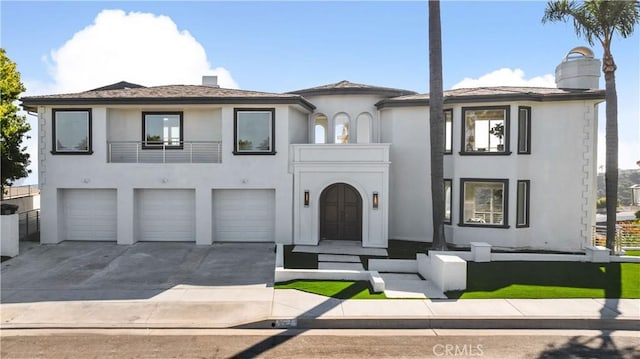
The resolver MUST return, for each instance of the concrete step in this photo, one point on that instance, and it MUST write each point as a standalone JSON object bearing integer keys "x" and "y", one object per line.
{"x": 341, "y": 247}
{"x": 338, "y": 258}
{"x": 394, "y": 265}
{"x": 399, "y": 276}
{"x": 411, "y": 288}
{"x": 340, "y": 266}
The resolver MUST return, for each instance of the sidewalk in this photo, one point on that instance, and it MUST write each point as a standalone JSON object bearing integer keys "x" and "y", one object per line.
{"x": 263, "y": 307}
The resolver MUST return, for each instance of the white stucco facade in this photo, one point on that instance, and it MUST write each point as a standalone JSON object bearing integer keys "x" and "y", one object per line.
{"x": 380, "y": 151}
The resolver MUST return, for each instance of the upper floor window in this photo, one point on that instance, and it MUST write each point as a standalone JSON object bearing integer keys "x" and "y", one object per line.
{"x": 484, "y": 202}
{"x": 448, "y": 131}
{"x": 254, "y": 131}
{"x": 341, "y": 126}
{"x": 320, "y": 127}
{"x": 364, "y": 121}
{"x": 522, "y": 212}
{"x": 447, "y": 200}
{"x": 485, "y": 130}
{"x": 162, "y": 129}
{"x": 72, "y": 131}
{"x": 524, "y": 130}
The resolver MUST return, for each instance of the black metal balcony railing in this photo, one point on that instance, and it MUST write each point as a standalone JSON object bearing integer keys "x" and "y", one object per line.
{"x": 187, "y": 152}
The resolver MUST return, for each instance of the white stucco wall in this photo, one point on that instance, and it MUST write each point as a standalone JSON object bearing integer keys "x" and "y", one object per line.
{"x": 364, "y": 167}
{"x": 407, "y": 128}
{"x": 561, "y": 168}
{"x": 298, "y": 126}
{"x": 235, "y": 172}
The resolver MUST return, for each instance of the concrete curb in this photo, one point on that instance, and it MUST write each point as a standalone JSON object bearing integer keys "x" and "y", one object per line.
{"x": 370, "y": 323}
{"x": 446, "y": 323}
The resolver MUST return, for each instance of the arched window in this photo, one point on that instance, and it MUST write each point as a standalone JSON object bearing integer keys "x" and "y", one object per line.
{"x": 341, "y": 128}
{"x": 320, "y": 127}
{"x": 364, "y": 127}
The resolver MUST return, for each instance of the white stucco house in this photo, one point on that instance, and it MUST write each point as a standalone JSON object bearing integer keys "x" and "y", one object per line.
{"x": 203, "y": 164}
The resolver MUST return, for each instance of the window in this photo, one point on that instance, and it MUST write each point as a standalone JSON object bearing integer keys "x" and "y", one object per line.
{"x": 254, "y": 131}
{"x": 483, "y": 202}
{"x": 162, "y": 130}
{"x": 447, "y": 201}
{"x": 524, "y": 130}
{"x": 448, "y": 131}
{"x": 485, "y": 130}
{"x": 364, "y": 127}
{"x": 341, "y": 126}
{"x": 72, "y": 131}
{"x": 320, "y": 127}
{"x": 522, "y": 213}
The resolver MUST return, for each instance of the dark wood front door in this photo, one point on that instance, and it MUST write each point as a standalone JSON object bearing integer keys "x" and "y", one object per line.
{"x": 340, "y": 213}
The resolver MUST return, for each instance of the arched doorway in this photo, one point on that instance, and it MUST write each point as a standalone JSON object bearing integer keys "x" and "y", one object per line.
{"x": 340, "y": 213}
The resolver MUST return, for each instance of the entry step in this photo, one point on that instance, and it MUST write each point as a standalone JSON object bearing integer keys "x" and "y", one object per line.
{"x": 338, "y": 258}
{"x": 340, "y": 266}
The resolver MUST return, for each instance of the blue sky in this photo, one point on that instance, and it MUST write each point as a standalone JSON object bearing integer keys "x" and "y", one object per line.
{"x": 284, "y": 46}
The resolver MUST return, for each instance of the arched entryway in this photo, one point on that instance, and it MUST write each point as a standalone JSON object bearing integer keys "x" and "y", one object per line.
{"x": 340, "y": 213}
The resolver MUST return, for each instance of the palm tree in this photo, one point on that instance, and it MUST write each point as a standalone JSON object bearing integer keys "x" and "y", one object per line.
{"x": 436, "y": 125}
{"x": 599, "y": 20}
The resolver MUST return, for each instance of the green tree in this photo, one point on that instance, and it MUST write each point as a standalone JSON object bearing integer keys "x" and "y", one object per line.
{"x": 13, "y": 127}
{"x": 436, "y": 125}
{"x": 599, "y": 20}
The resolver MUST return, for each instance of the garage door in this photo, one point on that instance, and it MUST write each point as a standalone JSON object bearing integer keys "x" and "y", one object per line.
{"x": 89, "y": 214}
{"x": 243, "y": 215}
{"x": 165, "y": 215}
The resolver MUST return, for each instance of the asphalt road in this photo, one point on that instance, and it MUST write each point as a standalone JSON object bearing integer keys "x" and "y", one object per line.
{"x": 317, "y": 344}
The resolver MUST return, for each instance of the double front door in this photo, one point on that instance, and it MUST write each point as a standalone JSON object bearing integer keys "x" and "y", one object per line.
{"x": 340, "y": 213}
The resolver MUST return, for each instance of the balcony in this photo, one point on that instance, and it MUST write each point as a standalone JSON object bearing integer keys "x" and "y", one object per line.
{"x": 188, "y": 152}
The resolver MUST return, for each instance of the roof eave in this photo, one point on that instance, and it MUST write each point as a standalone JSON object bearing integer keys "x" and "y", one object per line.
{"x": 32, "y": 102}
{"x": 593, "y": 95}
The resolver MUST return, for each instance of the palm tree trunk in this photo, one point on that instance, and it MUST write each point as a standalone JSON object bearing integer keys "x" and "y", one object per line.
{"x": 611, "y": 171}
{"x": 436, "y": 125}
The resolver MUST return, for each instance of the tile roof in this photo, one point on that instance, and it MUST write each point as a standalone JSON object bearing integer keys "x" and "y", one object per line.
{"x": 171, "y": 94}
{"x": 498, "y": 93}
{"x": 345, "y": 87}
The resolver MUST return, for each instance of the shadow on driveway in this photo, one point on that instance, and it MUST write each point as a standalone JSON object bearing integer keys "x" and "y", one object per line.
{"x": 72, "y": 271}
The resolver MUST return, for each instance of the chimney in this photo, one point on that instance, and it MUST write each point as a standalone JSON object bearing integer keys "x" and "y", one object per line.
{"x": 578, "y": 70}
{"x": 211, "y": 81}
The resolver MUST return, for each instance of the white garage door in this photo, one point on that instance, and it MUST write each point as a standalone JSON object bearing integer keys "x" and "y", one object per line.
{"x": 243, "y": 215}
{"x": 89, "y": 214}
{"x": 165, "y": 215}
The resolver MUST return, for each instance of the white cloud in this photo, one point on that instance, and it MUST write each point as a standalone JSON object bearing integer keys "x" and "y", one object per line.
{"x": 137, "y": 47}
{"x": 507, "y": 77}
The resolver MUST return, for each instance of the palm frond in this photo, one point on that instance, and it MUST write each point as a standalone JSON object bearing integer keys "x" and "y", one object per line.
{"x": 596, "y": 19}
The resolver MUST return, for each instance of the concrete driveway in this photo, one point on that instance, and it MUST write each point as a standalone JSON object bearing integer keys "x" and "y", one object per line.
{"x": 81, "y": 271}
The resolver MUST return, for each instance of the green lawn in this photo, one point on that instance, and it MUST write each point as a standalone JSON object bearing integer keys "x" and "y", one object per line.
{"x": 334, "y": 289}
{"x": 632, "y": 253}
{"x": 534, "y": 280}
{"x": 551, "y": 280}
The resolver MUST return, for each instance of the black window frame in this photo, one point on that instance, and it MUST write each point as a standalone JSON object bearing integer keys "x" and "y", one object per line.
{"x": 507, "y": 127}
{"x": 505, "y": 205}
{"x": 450, "y": 219}
{"x": 524, "y": 127}
{"x": 450, "y": 135}
{"x": 273, "y": 132}
{"x": 159, "y": 146}
{"x": 54, "y": 146}
{"x": 527, "y": 198}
